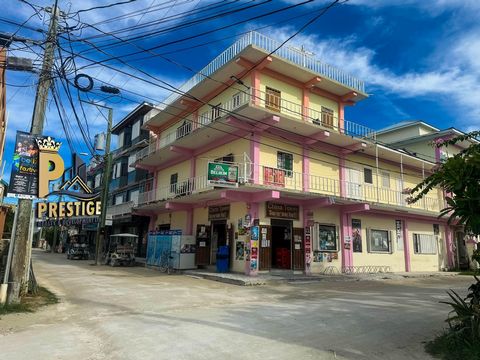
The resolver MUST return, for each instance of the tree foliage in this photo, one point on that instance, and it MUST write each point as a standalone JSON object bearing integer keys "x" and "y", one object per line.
{"x": 459, "y": 176}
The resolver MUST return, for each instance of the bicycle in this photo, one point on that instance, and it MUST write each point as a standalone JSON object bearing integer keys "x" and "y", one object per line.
{"x": 166, "y": 262}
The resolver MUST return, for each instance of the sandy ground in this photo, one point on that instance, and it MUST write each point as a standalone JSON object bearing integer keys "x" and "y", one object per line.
{"x": 137, "y": 313}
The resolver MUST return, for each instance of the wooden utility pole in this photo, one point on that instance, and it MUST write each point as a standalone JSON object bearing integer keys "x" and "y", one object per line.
{"x": 21, "y": 250}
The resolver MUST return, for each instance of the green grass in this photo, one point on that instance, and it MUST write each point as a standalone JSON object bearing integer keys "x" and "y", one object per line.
{"x": 469, "y": 273}
{"x": 31, "y": 303}
{"x": 450, "y": 346}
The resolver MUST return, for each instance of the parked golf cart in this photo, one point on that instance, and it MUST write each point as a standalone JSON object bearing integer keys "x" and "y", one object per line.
{"x": 78, "y": 248}
{"x": 120, "y": 250}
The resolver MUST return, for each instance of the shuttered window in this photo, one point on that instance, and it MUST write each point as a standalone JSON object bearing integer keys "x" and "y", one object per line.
{"x": 327, "y": 117}
{"x": 424, "y": 244}
{"x": 273, "y": 99}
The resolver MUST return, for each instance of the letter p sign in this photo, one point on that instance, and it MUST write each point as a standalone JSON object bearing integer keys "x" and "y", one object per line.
{"x": 51, "y": 167}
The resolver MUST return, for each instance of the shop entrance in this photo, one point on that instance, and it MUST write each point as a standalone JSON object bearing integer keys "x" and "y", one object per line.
{"x": 281, "y": 243}
{"x": 219, "y": 238}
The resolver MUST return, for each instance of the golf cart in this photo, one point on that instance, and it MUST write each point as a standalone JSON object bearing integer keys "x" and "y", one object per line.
{"x": 78, "y": 248}
{"x": 121, "y": 250}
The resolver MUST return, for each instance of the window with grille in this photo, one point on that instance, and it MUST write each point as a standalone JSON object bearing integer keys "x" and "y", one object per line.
{"x": 273, "y": 99}
{"x": 173, "y": 182}
{"x": 379, "y": 241}
{"x": 285, "y": 162}
{"x": 368, "y": 176}
{"x": 424, "y": 244}
{"x": 327, "y": 117}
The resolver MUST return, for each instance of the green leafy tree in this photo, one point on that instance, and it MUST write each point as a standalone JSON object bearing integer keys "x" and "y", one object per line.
{"x": 459, "y": 176}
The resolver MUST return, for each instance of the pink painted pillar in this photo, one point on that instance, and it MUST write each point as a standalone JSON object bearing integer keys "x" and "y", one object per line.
{"x": 305, "y": 104}
{"x": 254, "y": 211}
{"x": 151, "y": 224}
{"x": 306, "y": 169}
{"x": 255, "y": 156}
{"x": 341, "y": 117}
{"x": 449, "y": 246}
{"x": 255, "y": 87}
{"x": 406, "y": 246}
{"x": 154, "y": 186}
{"x": 195, "y": 120}
{"x": 343, "y": 173}
{"x": 189, "y": 225}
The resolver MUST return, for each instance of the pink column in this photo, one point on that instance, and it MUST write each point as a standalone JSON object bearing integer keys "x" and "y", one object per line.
{"x": 254, "y": 211}
{"x": 189, "y": 225}
{"x": 195, "y": 120}
{"x": 341, "y": 164}
{"x": 305, "y": 104}
{"x": 154, "y": 185}
{"x": 306, "y": 169}
{"x": 255, "y": 156}
{"x": 449, "y": 246}
{"x": 151, "y": 224}
{"x": 406, "y": 246}
{"x": 341, "y": 117}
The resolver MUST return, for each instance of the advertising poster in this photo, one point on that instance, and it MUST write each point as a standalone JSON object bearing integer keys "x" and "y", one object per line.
{"x": 239, "y": 250}
{"x": 399, "y": 234}
{"x": 24, "y": 175}
{"x": 357, "y": 235}
{"x": 255, "y": 231}
{"x": 222, "y": 175}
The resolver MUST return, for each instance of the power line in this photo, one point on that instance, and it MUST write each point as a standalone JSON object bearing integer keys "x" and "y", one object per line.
{"x": 104, "y": 6}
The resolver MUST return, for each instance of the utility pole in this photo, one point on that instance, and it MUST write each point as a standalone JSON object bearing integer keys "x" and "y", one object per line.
{"x": 107, "y": 161}
{"x": 21, "y": 249}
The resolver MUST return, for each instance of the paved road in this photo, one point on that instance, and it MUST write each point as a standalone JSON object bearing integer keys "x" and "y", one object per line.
{"x": 136, "y": 313}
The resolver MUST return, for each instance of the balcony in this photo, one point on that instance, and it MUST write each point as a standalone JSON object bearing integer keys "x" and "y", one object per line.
{"x": 295, "y": 184}
{"x": 121, "y": 209}
{"x": 253, "y": 104}
{"x": 268, "y": 45}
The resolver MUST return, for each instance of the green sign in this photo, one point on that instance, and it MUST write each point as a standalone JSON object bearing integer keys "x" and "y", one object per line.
{"x": 223, "y": 175}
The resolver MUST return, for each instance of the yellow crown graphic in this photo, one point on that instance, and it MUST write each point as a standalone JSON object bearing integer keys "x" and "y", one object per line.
{"x": 48, "y": 144}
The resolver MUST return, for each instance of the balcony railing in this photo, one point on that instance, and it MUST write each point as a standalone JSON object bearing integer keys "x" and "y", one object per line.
{"x": 289, "y": 53}
{"x": 121, "y": 209}
{"x": 279, "y": 179}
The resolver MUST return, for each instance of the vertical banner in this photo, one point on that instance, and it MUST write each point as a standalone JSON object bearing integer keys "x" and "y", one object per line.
{"x": 399, "y": 234}
{"x": 24, "y": 175}
{"x": 357, "y": 235}
{"x": 251, "y": 263}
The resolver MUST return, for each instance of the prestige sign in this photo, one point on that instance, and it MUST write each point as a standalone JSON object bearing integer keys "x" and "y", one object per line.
{"x": 68, "y": 209}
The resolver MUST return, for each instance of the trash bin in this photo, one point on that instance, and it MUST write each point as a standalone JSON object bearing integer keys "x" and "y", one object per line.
{"x": 223, "y": 254}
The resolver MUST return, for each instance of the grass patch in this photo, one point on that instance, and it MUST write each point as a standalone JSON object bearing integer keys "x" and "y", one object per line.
{"x": 470, "y": 273}
{"x": 449, "y": 346}
{"x": 31, "y": 303}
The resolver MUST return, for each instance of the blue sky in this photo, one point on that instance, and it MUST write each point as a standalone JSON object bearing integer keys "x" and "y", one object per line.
{"x": 419, "y": 59}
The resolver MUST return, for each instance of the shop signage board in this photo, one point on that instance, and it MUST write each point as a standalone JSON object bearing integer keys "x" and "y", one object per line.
{"x": 218, "y": 212}
{"x": 222, "y": 175}
{"x": 24, "y": 175}
{"x": 282, "y": 211}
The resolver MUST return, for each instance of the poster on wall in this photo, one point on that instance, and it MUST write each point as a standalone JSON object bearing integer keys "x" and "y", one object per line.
{"x": 399, "y": 234}
{"x": 24, "y": 175}
{"x": 357, "y": 235}
{"x": 239, "y": 250}
{"x": 222, "y": 175}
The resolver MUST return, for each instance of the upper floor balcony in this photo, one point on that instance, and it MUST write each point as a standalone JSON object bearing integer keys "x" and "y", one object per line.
{"x": 247, "y": 111}
{"x": 121, "y": 209}
{"x": 294, "y": 185}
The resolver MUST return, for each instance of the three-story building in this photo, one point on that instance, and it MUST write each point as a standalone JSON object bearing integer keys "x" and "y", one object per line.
{"x": 260, "y": 139}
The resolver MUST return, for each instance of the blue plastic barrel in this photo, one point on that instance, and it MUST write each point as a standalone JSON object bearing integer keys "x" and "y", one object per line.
{"x": 223, "y": 255}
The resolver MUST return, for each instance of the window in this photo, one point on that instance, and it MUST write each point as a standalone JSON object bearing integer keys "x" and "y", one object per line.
{"x": 98, "y": 178}
{"x": 131, "y": 161}
{"x": 134, "y": 196}
{"x": 118, "y": 199}
{"x": 327, "y": 117}
{"x": 285, "y": 162}
{"x": 424, "y": 244}
{"x": 173, "y": 182}
{"x": 116, "y": 170}
{"x": 367, "y": 176}
{"x": 225, "y": 159}
{"x": 379, "y": 241}
{"x": 136, "y": 129}
{"x": 326, "y": 238}
{"x": 237, "y": 100}
{"x": 120, "y": 140}
{"x": 216, "y": 111}
{"x": 272, "y": 99}
{"x": 385, "y": 179}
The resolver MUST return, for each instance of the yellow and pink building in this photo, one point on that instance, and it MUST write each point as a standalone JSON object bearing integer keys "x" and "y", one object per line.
{"x": 257, "y": 155}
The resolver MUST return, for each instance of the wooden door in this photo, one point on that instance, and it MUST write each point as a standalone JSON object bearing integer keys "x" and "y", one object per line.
{"x": 265, "y": 253}
{"x": 298, "y": 252}
{"x": 202, "y": 255}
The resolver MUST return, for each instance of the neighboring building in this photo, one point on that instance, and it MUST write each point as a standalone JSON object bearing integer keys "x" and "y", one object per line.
{"x": 418, "y": 138}
{"x": 127, "y": 181}
{"x": 326, "y": 196}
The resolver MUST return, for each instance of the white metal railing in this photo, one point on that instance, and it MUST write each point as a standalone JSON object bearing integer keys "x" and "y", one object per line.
{"x": 181, "y": 188}
{"x": 289, "y": 53}
{"x": 121, "y": 209}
